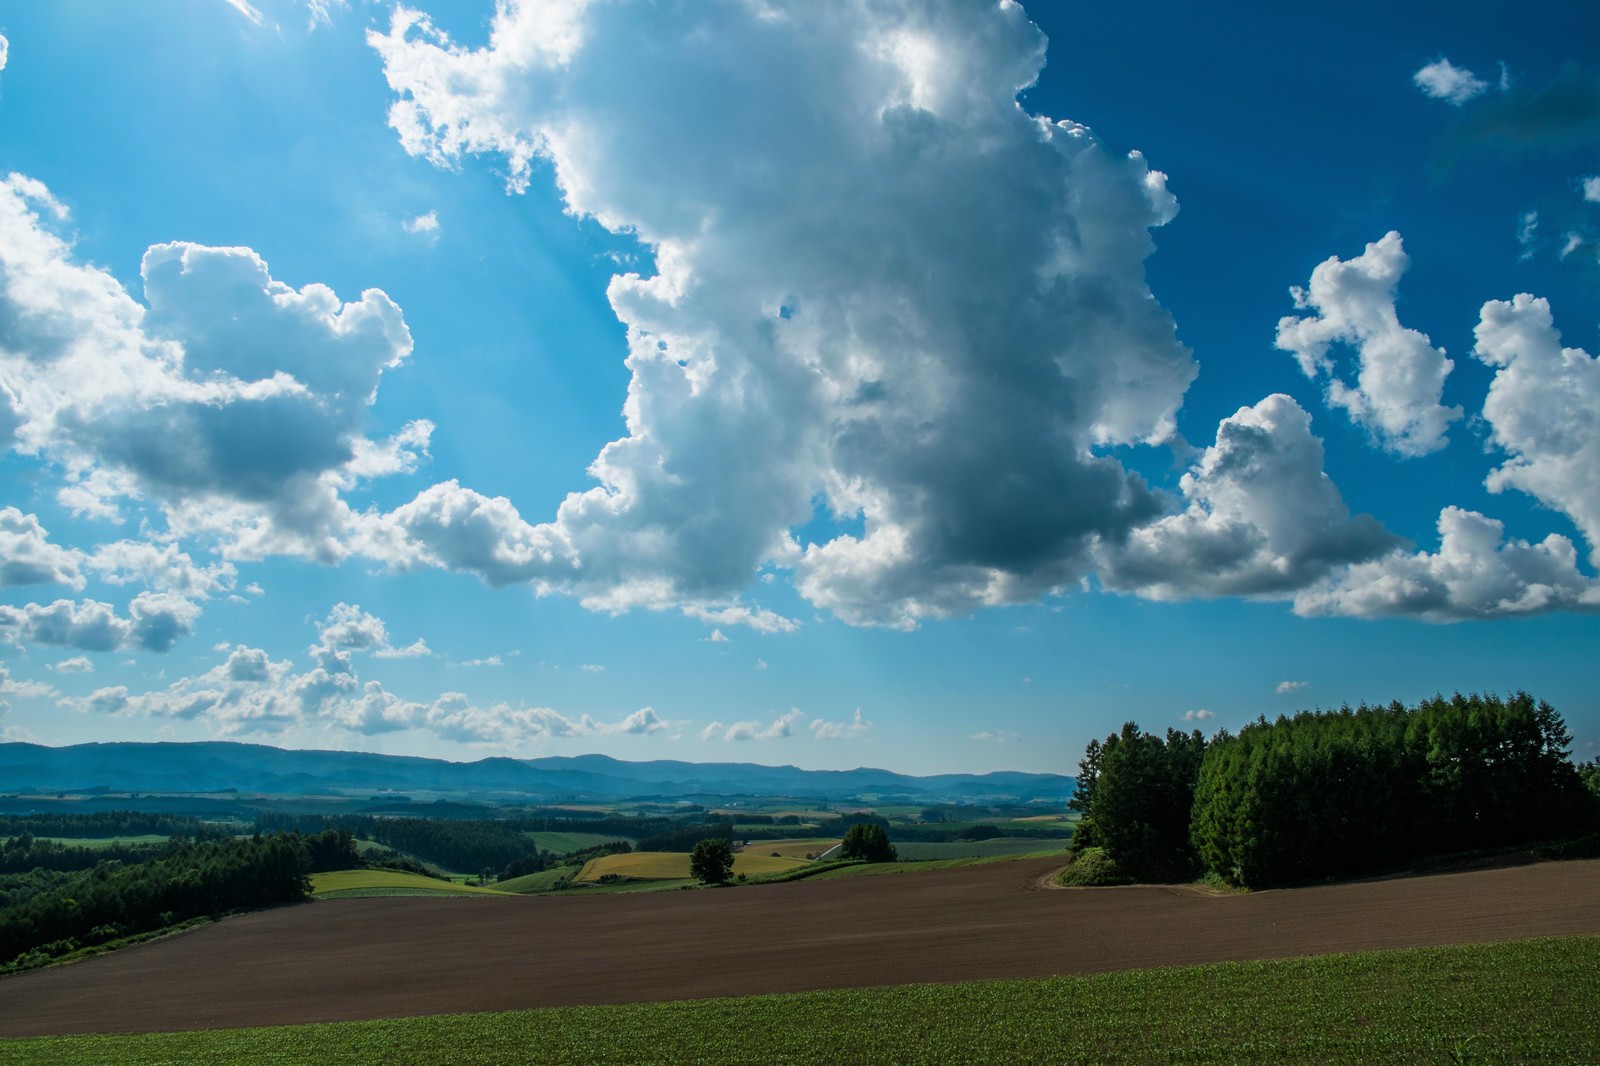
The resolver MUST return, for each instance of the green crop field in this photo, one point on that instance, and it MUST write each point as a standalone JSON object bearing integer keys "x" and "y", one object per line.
{"x": 752, "y": 862}
{"x": 912, "y": 850}
{"x": 1532, "y": 1001}
{"x": 348, "y": 883}
{"x": 542, "y": 881}
{"x": 566, "y": 843}
{"x": 106, "y": 842}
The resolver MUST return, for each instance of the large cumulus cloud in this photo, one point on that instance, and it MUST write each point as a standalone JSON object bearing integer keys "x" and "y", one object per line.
{"x": 1543, "y": 410}
{"x": 234, "y": 401}
{"x": 883, "y": 290}
{"x": 1262, "y": 518}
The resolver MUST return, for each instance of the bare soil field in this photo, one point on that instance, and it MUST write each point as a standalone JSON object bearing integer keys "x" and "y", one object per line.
{"x": 377, "y": 958}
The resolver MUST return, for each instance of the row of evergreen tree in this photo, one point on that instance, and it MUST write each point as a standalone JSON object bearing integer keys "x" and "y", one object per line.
{"x": 190, "y": 880}
{"x": 1333, "y": 794}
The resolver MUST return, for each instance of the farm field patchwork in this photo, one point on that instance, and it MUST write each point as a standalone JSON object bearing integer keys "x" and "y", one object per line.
{"x": 394, "y": 957}
{"x": 1527, "y": 1001}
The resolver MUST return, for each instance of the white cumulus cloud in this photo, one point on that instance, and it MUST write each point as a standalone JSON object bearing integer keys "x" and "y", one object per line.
{"x": 348, "y": 628}
{"x": 1286, "y": 687}
{"x": 1262, "y": 518}
{"x": 1543, "y": 410}
{"x": 880, "y": 283}
{"x": 1401, "y": 375}
{"x": 234, "y": 401}
{"x": 27, "y": 556}
{"x": 155, "y": 622}
{"x": 1443, "y": 80}
{"x": 1476, "y": 573}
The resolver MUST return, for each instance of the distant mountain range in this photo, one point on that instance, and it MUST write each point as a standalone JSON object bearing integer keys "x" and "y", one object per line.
{"x": 258, "y": 768}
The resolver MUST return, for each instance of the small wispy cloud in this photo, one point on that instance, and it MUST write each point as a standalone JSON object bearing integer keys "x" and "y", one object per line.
{"x": 1443, "y": 80}
{"x": 246, "y": 9}
{"x": 490, "y": 660}
{"x": 417, "y": 649}
{"x": 1591, "y": 185}
{"x": 761, "y": 664}
{"x": 840, "y": 730}
{"x": 995, "y": 736}
{"x": 779, "y": 727}
{"x": 716, "y": 637}
{"x": 1527, "y": 233}
{"x": 592, "y": 668}
{"x": 78, "y": 664}
{"x": 1286, "y": 687}
{"x": 424, "y": 225}
{"x": 1201, "y": 715}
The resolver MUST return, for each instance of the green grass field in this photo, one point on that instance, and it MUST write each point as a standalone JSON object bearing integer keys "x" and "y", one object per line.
{"x": 350, "y": 883}
{"x": 106, "y": 842}
{"x": 914, "y": 851}
{"x": 566, "y": 843}
{"x": 543, "y": 881}
{"x": 1532, "y": 1001}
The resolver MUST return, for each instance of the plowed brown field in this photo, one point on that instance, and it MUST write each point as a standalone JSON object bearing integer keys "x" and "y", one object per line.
{"x": 377, "y": 958}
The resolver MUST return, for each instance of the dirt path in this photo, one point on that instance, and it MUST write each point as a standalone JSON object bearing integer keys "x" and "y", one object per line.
{"x": 378, "y": 958}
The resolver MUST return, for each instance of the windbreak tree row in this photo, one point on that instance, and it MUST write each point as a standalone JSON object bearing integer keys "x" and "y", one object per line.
{"x": 1333, "y": 794}
{"x": 191, "y": 880}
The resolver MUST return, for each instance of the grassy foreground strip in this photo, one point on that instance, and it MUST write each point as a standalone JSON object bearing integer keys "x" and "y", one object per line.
{"x": 1531, "y": 1001}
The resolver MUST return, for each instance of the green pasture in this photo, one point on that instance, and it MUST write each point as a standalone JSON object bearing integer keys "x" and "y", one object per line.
{"x": 106, "y": 842}
{"x": 915, "y": 851}
{"x": 566, "y": 843}
{"x": 543, "y": 881}
{"x": 1532, "y": 1001}
{"x": 348, "y": 883}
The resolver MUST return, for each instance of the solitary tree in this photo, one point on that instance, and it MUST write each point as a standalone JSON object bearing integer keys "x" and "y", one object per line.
{"x": 870, "y": 842}
{"x": 711, "y": 861}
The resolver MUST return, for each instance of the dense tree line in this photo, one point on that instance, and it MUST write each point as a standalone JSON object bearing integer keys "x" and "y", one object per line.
{"x": 683, "y": 837}
{"x": 103, "y": 824}
{"x": 567, "y": 821}
{"x": 115, "y": 900}
{"x": 955, "y": 831}
{"x": 452, "y": 844}
{"x": 1135, "y": 791}
{"x": 1332, "y": 794}
{"x": 27, "y": 852}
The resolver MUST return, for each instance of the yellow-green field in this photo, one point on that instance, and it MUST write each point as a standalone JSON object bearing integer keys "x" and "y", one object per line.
{"x": 668, "y": 865}
{"x": 390, "y": 883}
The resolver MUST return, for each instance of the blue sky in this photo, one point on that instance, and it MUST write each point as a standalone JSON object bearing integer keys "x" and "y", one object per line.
{"x": 931, "y": 385}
